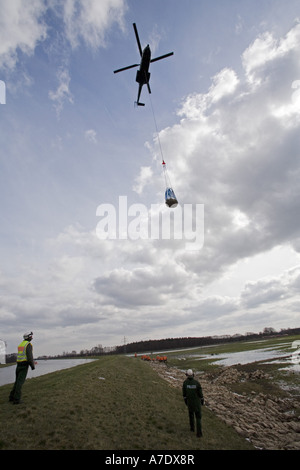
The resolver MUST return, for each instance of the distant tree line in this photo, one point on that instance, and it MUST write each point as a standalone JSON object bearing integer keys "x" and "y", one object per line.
{"x": 153, "y": 345}
{"x": 190, "y": 342}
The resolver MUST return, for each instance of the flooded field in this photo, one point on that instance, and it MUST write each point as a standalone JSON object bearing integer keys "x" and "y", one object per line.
{"x": 286, "y": 354}
{"x": 257, "y": 355}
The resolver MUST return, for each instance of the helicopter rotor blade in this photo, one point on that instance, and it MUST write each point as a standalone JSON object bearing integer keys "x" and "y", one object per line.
{"x": 162, "y": 57}
{"x": 137, "y": 39}
{"x": 126, "y": 68}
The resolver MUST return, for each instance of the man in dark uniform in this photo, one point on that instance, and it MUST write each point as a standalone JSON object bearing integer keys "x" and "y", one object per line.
{"x": 24, "y": 360}
{"x": 193, "y": 398}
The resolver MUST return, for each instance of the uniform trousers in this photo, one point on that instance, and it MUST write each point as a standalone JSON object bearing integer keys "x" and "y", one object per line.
{"x": 21, "y": 374}
{"x": 197, "y": 414}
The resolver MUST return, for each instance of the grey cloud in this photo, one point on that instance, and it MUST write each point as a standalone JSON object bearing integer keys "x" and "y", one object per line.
{"x": 242, "y": 154}
{"x": 236, "y": 150}
{"x": 262, "y": 292}
{"x": 21, "y": 29}
{"x": 142, "y": 286}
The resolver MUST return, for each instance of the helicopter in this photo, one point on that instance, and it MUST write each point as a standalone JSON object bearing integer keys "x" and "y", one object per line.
{"x": 143, "y": 75}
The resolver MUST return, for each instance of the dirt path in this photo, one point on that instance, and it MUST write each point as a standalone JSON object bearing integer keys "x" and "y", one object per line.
{"x": 267, "y": 421}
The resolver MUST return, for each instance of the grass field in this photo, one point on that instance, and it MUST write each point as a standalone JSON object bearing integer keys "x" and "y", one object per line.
{"x": 113, "y": 403}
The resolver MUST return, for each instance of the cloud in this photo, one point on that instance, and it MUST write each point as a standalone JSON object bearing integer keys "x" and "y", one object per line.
{"x": 271, "y": 290}
{"x": 234, "y": 153}
{"x": 147, "y": 285}
{"x": 263, "y": 292}
{"x": 155, "y": 38}
{"x": 21, "y": 29}
{"x": 143, "y": 179}
{"x": 267, "y": 50}
{"x": 89, "y": 20}
{"x": 91, "y": 136}
{"x": 235, "y": 149}
{"x": 86, "y": 21}
{"x": 196, "y": 105}
{"x": 62, "y": 94}
{"x": 23, "y": 25}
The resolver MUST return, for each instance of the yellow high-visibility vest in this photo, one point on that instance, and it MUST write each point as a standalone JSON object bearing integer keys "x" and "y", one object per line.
{"x": 22, "y": 356}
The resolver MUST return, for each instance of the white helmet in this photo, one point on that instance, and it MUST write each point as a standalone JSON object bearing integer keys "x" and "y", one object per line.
{"x": 28, "y": 336}
{"x": 189, "y": 373}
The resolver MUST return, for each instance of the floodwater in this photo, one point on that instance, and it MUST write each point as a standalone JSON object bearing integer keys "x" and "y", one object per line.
{"x": 256, "y": 355}
{"x": 246, "y": 357}
{"x": 7, "y": 374}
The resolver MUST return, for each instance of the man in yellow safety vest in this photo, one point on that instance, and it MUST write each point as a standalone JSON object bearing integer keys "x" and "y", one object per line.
{"x": 24, "y": 360}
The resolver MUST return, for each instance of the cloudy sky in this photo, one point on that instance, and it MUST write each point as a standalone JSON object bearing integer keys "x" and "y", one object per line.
{"x": 73, "y": 145}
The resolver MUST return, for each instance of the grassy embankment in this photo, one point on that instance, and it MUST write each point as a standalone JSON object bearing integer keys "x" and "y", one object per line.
{"x": 114, "y": 403}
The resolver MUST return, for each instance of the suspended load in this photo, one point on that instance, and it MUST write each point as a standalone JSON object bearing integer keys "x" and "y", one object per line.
{"x": 170, "y": 198}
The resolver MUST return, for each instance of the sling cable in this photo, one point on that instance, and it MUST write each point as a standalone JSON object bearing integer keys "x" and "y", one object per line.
{"x": 170, "y": 198}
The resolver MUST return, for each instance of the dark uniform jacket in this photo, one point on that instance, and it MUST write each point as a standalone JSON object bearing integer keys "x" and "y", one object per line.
{"x": 192, "y": 394}
{"x": 29, "y": 354}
